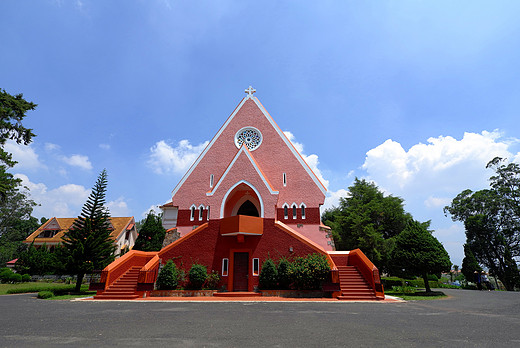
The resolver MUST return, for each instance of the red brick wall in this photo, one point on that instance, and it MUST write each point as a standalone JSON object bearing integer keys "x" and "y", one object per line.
{"x": 208, "y": 247}
{"x": 312, "y": 216}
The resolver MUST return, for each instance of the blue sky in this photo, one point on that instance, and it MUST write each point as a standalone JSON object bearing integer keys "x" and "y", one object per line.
{"x": 416, "y": 96}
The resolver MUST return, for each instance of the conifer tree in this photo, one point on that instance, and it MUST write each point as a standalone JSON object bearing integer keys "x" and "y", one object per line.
{"x": 87, "y": 245}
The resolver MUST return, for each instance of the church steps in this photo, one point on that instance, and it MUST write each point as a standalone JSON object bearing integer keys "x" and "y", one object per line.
{"x": 353, "y": 286}
{"x": 124, "y": 288}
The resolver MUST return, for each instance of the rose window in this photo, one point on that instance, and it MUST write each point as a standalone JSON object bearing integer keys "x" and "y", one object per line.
{"x": 249, "y": 136}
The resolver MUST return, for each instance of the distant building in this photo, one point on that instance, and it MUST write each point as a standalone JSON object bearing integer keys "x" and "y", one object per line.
{"x": 124, "y": 233}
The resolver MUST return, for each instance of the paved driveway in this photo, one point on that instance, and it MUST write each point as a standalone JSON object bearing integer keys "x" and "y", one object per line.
{"x": 467, "y": 318}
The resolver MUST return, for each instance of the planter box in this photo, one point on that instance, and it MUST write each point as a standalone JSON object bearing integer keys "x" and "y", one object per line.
{"x": 295, "y": 293}
{"x": 181, "y": 293}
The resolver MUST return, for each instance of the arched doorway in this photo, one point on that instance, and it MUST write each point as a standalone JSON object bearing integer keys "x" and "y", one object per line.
{"x": 242, "y": 199}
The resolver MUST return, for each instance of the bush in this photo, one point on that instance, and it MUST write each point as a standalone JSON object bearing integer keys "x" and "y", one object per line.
{"x": 168, "y": 278}
{"x": 310, "y": 271}
{"x": 5, "y": 275}
{"x": 197, "y": 276}
{"x": 26, "y": 278}
{"x": 390, "y": 282}
{"x": 268, "y": 275}
{"x": 45, "y": 294}
{"x": 15, "y": 278}
{"x": 212, "y": 281}
{"x": 403, "y": 289}
{"x": 285, "y": 273}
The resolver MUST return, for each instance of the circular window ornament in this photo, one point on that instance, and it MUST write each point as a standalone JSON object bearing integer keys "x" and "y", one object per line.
{"x": 249, "y": 136}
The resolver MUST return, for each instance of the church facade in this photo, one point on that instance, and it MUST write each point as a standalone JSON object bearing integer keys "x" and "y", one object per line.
{"x": 249, "y": 196}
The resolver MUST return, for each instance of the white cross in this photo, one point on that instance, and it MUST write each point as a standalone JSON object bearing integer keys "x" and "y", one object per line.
{"x": 250, "y": 91}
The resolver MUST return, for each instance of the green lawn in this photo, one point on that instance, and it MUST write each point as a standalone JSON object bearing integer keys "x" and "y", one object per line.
{"x": 37, "y": 287}
{"x": 418, "y": 296}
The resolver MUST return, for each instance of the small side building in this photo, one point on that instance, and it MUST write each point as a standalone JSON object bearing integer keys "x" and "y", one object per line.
{"x": 50, "y": 234}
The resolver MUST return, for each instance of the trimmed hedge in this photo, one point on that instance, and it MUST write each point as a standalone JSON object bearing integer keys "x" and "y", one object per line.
{"x": 45, "y": 294}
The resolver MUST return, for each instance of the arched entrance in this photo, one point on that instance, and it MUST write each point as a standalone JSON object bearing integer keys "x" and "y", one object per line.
{"x": 242, "y": 199}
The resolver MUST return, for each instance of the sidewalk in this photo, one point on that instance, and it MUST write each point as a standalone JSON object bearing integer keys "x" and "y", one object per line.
{"x": 388, "y": 299}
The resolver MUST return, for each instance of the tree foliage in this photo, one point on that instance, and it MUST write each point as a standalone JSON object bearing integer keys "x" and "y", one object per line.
{"x": 268, "y": 278}
{"x": 87, "y": 245}
{"x": 168, "y": 278}
{"x": 491, "y": 219}
{"x": 36, "y": 261}
{"x": 14, "y": 234}
{"x": 12, "y": 112}
{"x": 418, "y": 252}
{"x": 151, "y": 233}
{"x": 469, "y": 264}
{"x": 367, "y": 219}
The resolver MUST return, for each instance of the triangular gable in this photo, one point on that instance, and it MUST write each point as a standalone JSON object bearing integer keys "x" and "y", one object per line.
{"x": 244, "y": 151}
{"x": 52, "y": 224}
{"x": 276, "y": 128}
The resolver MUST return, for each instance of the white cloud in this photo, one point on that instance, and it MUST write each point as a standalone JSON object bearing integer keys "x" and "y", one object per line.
{"x": 118, "y": 208}
{"x": 154, "y": 208}
{"x": 24, "y": 155}
{"x": 166, "y": 159}
{"x": 78, "y": 161}
{"x": 104, "y": 146}
{"x": 332, "y": 199}
{"x": 49, "y": 147}
{"x": 63, "y": 201}
{"x": 312, "y": 160}
{"x": 436, "y": 202}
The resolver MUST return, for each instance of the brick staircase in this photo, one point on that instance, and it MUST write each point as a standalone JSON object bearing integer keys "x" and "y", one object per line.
{"x": 353, "y": 285}
{"x": 124, "y": 288}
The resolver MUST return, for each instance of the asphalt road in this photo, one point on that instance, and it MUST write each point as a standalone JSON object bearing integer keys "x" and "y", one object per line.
{"x": 466, "y": 319}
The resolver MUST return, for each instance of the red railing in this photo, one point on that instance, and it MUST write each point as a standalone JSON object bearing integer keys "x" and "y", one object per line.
{"x": 148, "y": 274}
{"x": 123, "y": 264}
{"x": 368, "y": 270}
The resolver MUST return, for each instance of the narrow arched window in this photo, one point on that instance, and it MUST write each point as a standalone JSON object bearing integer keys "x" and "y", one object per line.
{"x": 285, "y": 212}
{"x": 303, "y": 211}
{"x": 294, "y": 211}
{"x": 211, "y": 177}
{"x": 192, "y": 213}
{"x": 284, "y": 179}
{"x": 201, "y": 211}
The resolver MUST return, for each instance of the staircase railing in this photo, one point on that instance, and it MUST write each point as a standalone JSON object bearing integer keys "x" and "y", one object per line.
{"x": 148, "y": 274}
{"x": 368, "y": 270}
{"x": 123, "y": 264}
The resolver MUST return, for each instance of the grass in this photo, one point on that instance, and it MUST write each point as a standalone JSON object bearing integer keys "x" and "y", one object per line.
{"x": 21, "y": 288}
{"x": 418, "y": 296}
{"x": 72, "y": 296}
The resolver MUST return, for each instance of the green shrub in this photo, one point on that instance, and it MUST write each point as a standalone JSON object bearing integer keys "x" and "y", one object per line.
{"x": 310, "y": 271}
{"x": 403, "y": 289}
{"x": 5, "y": 275}
{"x": 285, "y": 273}
{"x": 212, "y": 281}
{"x": 390, "y": 282}
{"x": 268, "y": 275}
{"x": 197, "y": 276}
{"x": 15, "y": 278}
{"x": 168, "y": 278}
{"x": 45, "y": 294}
{"x": 26, "y": 277}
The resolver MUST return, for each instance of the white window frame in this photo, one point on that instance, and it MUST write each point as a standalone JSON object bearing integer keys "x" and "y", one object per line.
{"x": 284, "y": 179}
{"x": 255, "y": 270}
{"x": 303, "y": 207}
{"x": 192, "y": 212}
{"x": 201, "y": 212}
{"x": 211, "y": 179}
{"x": 285, "y": 211}
{"x": 294, "y": 211}
{"x": 207, "y": 216}
{"x": 225, "y": 267}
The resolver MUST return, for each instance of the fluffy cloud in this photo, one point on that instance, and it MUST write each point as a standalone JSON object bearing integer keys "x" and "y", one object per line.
{"x": 118, "y": 207}
{"x": 312, "y": 160}
{"x": 78, "y": 161}
{"x": 64, "y": 201}
{"x": 332, "y": 199}
{"x": 24, "y": 155}
{"x": 166, "y": 159}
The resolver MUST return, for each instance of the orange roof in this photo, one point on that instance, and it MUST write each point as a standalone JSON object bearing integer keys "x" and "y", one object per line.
{"x": 120, "y": 224}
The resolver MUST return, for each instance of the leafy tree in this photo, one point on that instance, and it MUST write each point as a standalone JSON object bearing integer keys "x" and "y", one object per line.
{"x": 168, "y": 278}
{"x": 39, "y": 261}
{"x": 268, "y": 275}
{"x": 469, "y": 264}
{"x": 87, "y": 245}
{"x": 151, "y": 234}
{"x": 12, "y": 112}
{"x": 418, "y": 252}
{"x": 491, "y": 219}
{"x": 367, "y": 219}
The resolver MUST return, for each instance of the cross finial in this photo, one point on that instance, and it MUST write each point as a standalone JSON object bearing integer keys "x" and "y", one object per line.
{"x": 250, "y": 91}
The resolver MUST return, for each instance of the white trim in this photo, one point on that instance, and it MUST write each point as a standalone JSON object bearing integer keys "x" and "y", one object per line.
{"x": 201, "y": 156}
{"x": 225, "y": 260}
{"x": 207, "y": 215}
{"x": 291, "y": 147}
{"x": 243, "y": 129}
{"x": 285, "y": 205}
{"x": 303, "y": 208}
{"x": 228, "y": 169}
{"x": 232, "y": 188}
{"x": 192, "y": 212}
{"x": 257, "y": 266}
{"x": 201, "y": 211}
{"x": 294, "y": 208}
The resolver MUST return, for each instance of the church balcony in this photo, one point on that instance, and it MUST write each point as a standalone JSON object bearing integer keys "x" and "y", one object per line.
{"x": 242, "y": 225}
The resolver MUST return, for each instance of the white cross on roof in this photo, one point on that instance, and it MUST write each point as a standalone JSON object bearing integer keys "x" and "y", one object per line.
{"x": 250, "y": 91}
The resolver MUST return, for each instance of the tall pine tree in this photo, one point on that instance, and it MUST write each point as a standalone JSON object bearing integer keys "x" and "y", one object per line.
{"x": 87, "y": 245}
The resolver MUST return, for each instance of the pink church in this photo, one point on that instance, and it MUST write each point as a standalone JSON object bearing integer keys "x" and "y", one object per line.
{"x": 249, "y": 195}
